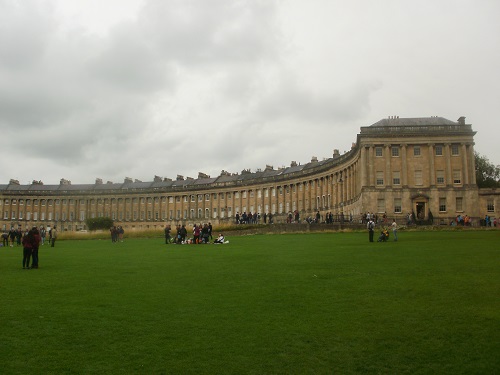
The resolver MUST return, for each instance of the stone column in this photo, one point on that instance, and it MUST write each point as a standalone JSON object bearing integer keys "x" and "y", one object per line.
{"x": 432, "y": 171}
{"x": 404, "y": 167}
{"x": 388, "y": 172}
{"x": 364, "y": 166}
{"x": 465, "y": 165}
{"x": 371, "y": 172}
{"x": 472, "y": 162}
{"x": 447, "y": 155}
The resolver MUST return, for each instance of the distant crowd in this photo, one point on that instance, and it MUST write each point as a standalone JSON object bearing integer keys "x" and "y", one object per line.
{"x": 30, "y": 240}
{"x": 201, "y": 234}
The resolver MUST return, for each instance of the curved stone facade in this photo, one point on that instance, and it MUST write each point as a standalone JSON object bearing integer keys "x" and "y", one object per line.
{"x": 396, "y": 166}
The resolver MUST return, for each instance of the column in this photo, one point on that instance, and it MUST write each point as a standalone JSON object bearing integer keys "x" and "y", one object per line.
{"x": 432, "y": 171}
{"x": 364, "y": 167}
{"x": 388, "y": 172}
{"x": 404, "y": 167}
{"x": 447, "y": 155}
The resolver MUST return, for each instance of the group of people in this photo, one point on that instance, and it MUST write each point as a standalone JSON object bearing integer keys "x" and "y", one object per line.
{"x": 31, "y": 241}
{"x": 384, "y": 234}
{"x": 249, "y": 218}
{"x": 116, "y": 233}
{"x": 202, "y": 234}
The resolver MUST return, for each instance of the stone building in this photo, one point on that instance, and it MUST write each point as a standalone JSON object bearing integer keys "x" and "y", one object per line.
{"x": 397, "y": 166}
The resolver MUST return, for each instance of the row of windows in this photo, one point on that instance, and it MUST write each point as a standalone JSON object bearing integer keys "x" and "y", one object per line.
{"x": 440, "y": 180}
{"x": 149, "y": 200}
{"x": 200, "y": 213}
{"x": 459, "y": 205}
{"x": 438, "y": 150}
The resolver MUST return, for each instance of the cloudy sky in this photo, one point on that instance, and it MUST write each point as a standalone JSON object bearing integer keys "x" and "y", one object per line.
{"x": 136, "y": 88}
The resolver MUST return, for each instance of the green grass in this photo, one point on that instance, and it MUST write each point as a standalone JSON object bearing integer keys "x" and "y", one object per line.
{"x": 264, "y": 304}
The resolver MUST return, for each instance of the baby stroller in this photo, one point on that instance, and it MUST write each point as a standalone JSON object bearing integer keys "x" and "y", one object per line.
{"x": 384, "y": 236}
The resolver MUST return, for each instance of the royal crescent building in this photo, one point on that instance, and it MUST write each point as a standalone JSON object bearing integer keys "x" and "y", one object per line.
{"x": 397, "y": 166}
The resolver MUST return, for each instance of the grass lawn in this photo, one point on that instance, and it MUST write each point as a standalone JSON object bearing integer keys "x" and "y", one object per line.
{"x": 264, "y": 304}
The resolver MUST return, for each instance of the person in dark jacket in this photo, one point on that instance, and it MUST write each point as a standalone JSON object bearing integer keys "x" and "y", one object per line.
{"x": 28, "y": 240}
{"x": 35, "y": 244}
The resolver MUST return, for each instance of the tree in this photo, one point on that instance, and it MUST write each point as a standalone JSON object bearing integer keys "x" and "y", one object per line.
{"x": 99, "y": 223}
{"x": 487, "y": 174}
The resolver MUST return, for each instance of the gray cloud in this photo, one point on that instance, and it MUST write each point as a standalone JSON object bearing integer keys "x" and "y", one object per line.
{"x": 189, "y": 86}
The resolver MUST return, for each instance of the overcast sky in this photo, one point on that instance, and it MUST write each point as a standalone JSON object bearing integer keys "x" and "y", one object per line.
{"x": 136, "y": 88}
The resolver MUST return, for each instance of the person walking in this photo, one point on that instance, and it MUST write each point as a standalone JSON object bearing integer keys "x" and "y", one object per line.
{"x": 394, "y": 227}
{"x": 370, "y": 226}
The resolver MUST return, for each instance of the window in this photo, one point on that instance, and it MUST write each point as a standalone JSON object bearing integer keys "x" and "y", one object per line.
{"x": 490, "y": 206}
{"x": 236, "y": 194}
{"x": 397, "y": 206}
{"x": 439, "y": 150}
{"x": 170, "y": 199}
{"x": 244, "y": 194}
{"x": 395, "y": 151}
{"x": 418, "y": 178}
{"x": 459, "y": 204}
{"x": 13, "y": 215}
{"x": 207, "y": 197}
{"x": 416, "y": 150}
{"x": 378, "y": 151}
{"x": 396, "y": 178}
{"x": 455, "y": 150}
{"x": 381, "y": 205}
{"x": 380, "y": 178}
{"x": 192, "y": 197}
{"x": 200, "y": 197}
{"x": 440, "y": 177}
{"x": 456, "y": 176}
{"x": 442, "y": 204}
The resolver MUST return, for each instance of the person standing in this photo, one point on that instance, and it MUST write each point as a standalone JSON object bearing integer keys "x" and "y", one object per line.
{"x": 167, "y": 234}
{"x": 370, "y": 226}
{"x": 35, "y": 246}
{"x": 210, "y": 228}
{"x": 43, "y": 233}
{"x": 12, "y": 236}
{"x": 53, "y": 236}
{"x": 28, "y": 240}
{"x": 394, "y": 227}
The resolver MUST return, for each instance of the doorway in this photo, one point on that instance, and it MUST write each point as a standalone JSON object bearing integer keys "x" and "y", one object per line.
{"x": 420, "y": 210}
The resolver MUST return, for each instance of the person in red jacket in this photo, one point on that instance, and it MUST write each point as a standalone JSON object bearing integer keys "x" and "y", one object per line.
{"x": 27, "y": 241}
{"x": 36, "y": 244}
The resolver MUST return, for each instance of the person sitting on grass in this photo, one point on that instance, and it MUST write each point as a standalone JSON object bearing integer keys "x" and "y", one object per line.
{"x": 220, "y": 239}
{"x": 384, "y": 236}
